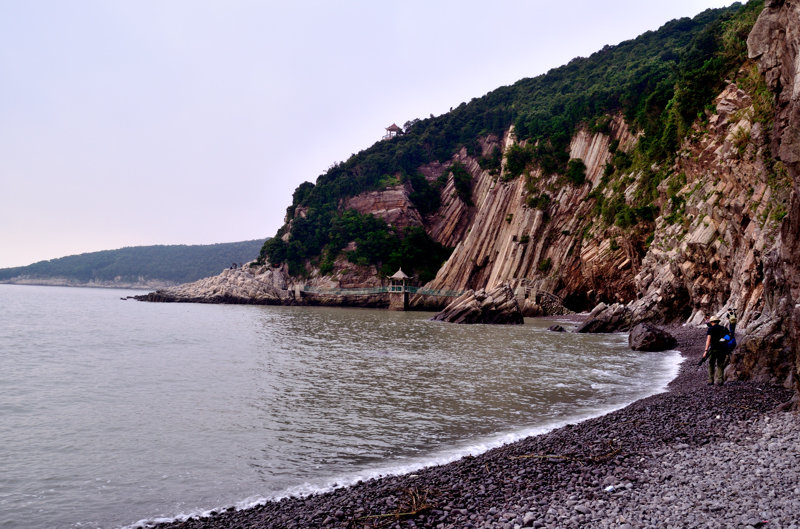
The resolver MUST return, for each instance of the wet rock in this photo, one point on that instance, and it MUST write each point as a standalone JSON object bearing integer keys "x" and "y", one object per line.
{"x": 606, "y": 318}
{"x": 495, "y": 306}
{"x": 556, "y": 328}
{"x": 531, "y": 309}
{"x": 647, "y": 337}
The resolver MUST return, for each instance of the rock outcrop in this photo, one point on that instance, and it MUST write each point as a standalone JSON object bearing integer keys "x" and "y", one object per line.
{"x": 606, "y": 318}
{"x": 258, "y": 285}
{"x": 646, "y": 337}
{"x": 771, "y": 349}
{"x": 542, "y": 247}
{"x": 391, "y": 204}
{"x": 497, "y": 305}
{"x": 709, "y": 245}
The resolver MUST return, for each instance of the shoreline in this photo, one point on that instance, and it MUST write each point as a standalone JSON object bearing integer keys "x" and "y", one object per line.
{"x": 607, "y": 471}
{"x": 94, "y": 284}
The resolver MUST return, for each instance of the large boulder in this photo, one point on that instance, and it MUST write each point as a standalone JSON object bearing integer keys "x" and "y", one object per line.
{"x": 495, "y": 306}
{"x": 646, "y": 337}
{"x": 607, "y": 318}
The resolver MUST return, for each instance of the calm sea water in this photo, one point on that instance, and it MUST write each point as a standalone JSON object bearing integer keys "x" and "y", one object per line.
{"x": 117, "y": 413}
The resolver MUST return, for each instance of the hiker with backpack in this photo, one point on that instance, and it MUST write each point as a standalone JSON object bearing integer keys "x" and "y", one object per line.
{"x": 719, "y": 344}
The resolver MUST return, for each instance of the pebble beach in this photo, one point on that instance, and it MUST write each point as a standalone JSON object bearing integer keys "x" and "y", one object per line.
{"x": 695, "y": 456}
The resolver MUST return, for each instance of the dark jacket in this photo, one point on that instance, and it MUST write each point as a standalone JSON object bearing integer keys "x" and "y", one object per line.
{"x": 717, "y": 332}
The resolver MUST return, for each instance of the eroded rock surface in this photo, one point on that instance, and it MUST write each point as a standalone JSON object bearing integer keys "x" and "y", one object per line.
{"x": 771, "y": 350}
{"x": 497, "y": 305}
{"x": 261, "y": 285}
{"x": 606, "y": 318}
{"x": 646, "y": 337}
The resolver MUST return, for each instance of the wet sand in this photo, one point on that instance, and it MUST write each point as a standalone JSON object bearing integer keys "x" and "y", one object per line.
{"x": 695, "y": 456}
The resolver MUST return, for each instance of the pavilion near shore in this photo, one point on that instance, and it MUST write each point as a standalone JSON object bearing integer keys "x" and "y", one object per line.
{"x": 398, "y": 290}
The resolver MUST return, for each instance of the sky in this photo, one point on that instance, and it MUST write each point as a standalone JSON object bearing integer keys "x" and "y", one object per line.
{"x": 139, "y": 122}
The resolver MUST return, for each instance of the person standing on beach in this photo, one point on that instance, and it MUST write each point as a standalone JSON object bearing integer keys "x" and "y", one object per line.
{"x": 716, "y": 350}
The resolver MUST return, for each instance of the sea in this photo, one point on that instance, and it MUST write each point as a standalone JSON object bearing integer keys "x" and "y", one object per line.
{"x": 116, "y": 413}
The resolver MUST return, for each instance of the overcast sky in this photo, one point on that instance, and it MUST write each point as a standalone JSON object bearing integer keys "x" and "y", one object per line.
{"x": 126, "y": 123}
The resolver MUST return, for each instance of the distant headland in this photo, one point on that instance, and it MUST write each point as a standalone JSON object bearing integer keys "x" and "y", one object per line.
{"x": 136, "y": 266}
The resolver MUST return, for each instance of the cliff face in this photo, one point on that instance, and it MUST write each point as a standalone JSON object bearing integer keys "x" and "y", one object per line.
{"x": 773, "y": 346}
{"x": 392, "y": 205}
{"x": 540, "y": 247}
{"x": 719, "y": 210}
{"x": 720, "y": 219}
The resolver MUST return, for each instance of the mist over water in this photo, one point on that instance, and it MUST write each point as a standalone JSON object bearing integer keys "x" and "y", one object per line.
{"x": 117, "y": 411}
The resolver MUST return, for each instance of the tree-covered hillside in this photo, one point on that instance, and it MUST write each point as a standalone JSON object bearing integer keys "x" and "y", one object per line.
{"x": 660, "y": 82}
{"x": 173, "y": 263}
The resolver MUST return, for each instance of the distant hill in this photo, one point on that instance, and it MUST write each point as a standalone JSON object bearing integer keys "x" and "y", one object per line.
{"x": 136, "y": 266}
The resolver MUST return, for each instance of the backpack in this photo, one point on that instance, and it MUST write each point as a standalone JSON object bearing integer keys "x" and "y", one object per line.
{"x": 729, "y": 340}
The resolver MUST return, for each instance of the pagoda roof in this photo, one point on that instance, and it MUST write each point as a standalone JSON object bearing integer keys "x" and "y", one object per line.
{"x": 394, "y": 128}
{"x": 399, "y": 274}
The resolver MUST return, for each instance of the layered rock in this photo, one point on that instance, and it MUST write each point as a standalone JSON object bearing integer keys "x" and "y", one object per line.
{"x": 543, "y": 248}
{"x": 606, "y": 318}
{"x": 261, "y": 285}
{"x": 391, "y": 204}
{"x": 497, "y": 305}
{"x": 709, "y": 244}
{"x": 772, "y": 348}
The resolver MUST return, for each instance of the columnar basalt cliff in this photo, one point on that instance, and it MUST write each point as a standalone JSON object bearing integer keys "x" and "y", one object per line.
{"x": 712, "y": 226}
{"x": 543, "y": 246}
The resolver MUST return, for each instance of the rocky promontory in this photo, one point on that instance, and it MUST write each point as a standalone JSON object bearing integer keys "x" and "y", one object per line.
{"x": 257, "y": 285}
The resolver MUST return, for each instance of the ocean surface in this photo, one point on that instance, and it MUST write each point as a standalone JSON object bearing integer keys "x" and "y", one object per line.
{"x": 117, "y": 413}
